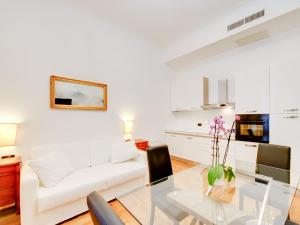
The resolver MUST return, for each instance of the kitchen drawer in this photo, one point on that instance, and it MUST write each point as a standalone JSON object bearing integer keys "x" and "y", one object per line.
{"x": 7, "y": 196}
{"x": 246, "y": 151}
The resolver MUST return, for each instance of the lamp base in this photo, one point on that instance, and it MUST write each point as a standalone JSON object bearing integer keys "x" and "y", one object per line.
{"x": 7, "y": 156}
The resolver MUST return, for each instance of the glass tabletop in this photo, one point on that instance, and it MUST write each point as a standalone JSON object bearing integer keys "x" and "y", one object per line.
{"x": 186, "y": 198}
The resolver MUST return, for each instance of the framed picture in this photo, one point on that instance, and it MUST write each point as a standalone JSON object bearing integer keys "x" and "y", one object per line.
{"x": 66, "y": 93}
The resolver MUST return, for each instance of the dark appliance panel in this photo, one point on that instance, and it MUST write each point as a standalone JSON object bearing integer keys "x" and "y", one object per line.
{"x": 253, "y": 128}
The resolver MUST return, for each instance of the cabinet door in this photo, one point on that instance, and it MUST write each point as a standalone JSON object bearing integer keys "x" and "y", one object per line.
{"x": 178, "y": 96}
{"x": 246, "y": 153}
{"x": 284, "y": 88}
{"x": 283, "y": 131}
{"x": 252, "y": 91}
{"x": 187, "y": 93}
{"x": 194, "y": 93}
{"x": 173, "y": 144}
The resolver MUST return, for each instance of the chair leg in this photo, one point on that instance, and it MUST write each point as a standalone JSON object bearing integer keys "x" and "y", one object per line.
{"x": 194, "y": 221}
{"x": 175, "y": 222}
{"x": 241, "y": 202}
{"x": 152, "y": 214}
{"x": 257, "y": 206}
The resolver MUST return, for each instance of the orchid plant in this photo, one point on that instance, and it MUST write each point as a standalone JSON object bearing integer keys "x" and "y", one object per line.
{"x": 219, "y": 170}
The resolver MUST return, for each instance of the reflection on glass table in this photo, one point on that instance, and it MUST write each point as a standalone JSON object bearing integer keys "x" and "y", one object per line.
{"x": 182, "y": 199}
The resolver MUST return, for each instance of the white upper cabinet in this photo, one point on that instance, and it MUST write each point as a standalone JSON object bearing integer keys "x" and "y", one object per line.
{"x": 177, "y": 96}
{"x": 284, "y": 88}
{"x": 187, "y": 93}
{"x": 252, "y": 91}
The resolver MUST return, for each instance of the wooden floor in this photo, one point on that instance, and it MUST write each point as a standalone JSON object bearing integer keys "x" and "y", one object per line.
{"x": 8, "y": 217}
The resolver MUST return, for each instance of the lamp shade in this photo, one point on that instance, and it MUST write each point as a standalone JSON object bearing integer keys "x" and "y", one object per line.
{"x": 128, "y": 125}
{"x": 8, "y": 132}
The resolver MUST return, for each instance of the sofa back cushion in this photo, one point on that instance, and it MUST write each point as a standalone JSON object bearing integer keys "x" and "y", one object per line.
{"x": 100, "y": 151}
{"x": 123, "y": 151}
{"x": 51, "y": 168}
{"x": 78, "y": 154}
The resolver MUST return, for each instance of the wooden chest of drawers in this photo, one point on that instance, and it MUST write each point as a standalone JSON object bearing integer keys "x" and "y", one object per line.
{"x": 141, "y": 144}
{"x": 10, "y": 182}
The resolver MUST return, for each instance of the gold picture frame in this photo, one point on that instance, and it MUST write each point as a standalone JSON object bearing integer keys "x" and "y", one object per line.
{"x": 67, "y": 93}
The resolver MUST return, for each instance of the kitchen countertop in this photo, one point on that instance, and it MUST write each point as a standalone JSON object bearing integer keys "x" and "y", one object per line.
{"x": 193, "y": 133}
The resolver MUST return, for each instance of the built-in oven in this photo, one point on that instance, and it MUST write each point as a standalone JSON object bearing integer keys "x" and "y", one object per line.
{"x": 253, "y": 128}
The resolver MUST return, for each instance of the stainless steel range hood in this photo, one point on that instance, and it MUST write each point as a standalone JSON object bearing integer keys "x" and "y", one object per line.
{"x": 222, "y": 97}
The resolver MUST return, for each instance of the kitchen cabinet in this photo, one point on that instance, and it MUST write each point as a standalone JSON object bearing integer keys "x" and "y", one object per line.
{"x": 246, "y": 153}
{"x": 187, "y": 93}
{"x": 252, "y": 91}
{"x": 284, "y": 88}
{"x": 283, "y": 131}
{"x": 174, "y": 145}
{"x": 197, "y": 148}
{"x": 178, "y": 93}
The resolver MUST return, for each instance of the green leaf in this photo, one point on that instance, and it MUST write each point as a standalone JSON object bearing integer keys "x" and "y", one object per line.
{"x": 211, "y": 177}
{"x": 230, "y": 174}
{"x": 219, "y": 171}
{"x": 225, "y": 173}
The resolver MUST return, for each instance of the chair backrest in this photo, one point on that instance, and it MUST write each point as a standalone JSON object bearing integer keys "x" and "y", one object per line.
{"x": 159, "y": 163}
{"x": 101, "y": 212}
{"x": 274, "y": 156}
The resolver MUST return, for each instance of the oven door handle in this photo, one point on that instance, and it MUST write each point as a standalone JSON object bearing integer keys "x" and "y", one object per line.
{"x": 251, "y": 111}
{"x": 291, "y": 110}
{"x": 291, "y": 117}
{"x": 253, "y": 146}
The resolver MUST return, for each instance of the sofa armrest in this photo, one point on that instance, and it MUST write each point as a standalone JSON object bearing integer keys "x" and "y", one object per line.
{"x": 142, "y": 158}
{"x": 29, "y": 185}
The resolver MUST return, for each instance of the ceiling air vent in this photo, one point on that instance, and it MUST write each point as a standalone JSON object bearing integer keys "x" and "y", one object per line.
{"x": 255, "y": 16}
{"x": 246, "y": 20}
{"x": 236, "y": 24}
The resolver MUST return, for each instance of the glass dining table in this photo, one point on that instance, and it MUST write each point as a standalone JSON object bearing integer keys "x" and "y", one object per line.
{"x": 186, "y": 198}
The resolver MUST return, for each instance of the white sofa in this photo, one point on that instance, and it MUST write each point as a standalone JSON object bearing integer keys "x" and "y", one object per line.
{"x": 93, "y": 172}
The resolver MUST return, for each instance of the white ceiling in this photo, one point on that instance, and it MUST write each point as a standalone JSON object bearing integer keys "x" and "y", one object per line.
{"x": 161, "y": 21}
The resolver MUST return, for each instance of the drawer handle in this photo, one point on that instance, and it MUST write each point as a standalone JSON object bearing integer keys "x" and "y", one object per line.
{"x": 253, "y": 146}
{"x": 189, "y": 138}
{"x": 291, "y": 117}
{"x": 291, "y": 110}
{"x": 251, "y": 111}
{"x": 173, "y": 136}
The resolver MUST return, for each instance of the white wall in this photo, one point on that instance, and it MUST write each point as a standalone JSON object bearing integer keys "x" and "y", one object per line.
{"x": 274, "y": 50}
{"x": 40, "y": 38}
{"x": 217, "y": 30}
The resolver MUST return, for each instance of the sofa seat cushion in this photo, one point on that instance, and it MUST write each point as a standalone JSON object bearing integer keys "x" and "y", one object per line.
{"x": 120, "y": 173}
{"x": 76, "y": 185}
{"x": 82, "y": 182}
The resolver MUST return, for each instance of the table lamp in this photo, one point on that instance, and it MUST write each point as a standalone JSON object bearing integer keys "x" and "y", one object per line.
{"x": 128, "y": 127}
{"x": 8, "y": 132}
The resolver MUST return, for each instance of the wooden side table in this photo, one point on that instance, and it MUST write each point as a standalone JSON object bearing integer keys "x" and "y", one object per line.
{"x": 141, "y": 144}
{"x": 10, "y": 182}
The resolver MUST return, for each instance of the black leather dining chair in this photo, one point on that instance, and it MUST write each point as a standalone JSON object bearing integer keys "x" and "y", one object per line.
{"x": 160, "y": 168}
{"x": 101, "y": 212}
{"x": 274, "y": 161}
{"x": 159, "y": 163}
